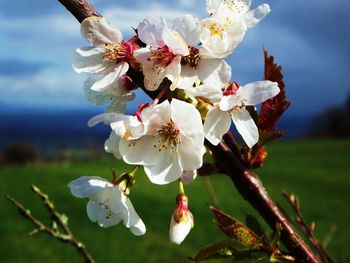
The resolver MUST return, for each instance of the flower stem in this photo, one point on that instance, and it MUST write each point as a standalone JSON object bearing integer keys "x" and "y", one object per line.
{"x": 181, "y": 187}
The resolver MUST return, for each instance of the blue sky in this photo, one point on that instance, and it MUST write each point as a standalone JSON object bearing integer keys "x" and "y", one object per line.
{"x": 310, "y": 39}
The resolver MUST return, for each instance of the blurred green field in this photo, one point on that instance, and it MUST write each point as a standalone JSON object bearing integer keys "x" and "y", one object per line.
{"x": 317, "y": 170}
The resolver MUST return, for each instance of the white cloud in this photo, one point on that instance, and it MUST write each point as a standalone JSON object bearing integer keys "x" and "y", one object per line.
{"x": 126, "y": 18}
{"x": 47, "y": 88}
{"x": 45, "y": 39}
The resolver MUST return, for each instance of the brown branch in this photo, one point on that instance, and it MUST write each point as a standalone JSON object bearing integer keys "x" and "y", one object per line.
{"x": 252, "y": 189}
{"x": 80, "y": 9}
{"x": 227, "y": 155}
{"x": 66, "y": 236}
{"x": 306, "y": 229}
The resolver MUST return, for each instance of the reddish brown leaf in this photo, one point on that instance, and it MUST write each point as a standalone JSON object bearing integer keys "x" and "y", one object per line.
{"x": 272, "y": 109}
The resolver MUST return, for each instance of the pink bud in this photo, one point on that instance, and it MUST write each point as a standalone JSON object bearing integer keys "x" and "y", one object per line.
{"x": 181, "y": 220}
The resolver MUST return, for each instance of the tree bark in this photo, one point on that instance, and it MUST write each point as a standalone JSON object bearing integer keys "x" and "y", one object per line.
{"x": 227, "y": 155}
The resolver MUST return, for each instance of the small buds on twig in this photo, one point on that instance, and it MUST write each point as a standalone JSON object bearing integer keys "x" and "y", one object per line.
{"x": 58, "y": 220}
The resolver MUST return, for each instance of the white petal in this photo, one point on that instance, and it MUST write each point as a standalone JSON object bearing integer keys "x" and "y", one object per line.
{"x": 228, "y": 102}
{"x": 166, "y": 170}
{"x": 132, "y": 126}
{"x": 99, "y": 32}
{"x": 186, "y": 117}
{"x": 150, "y": 31}
{"x": 214, "y": 72}
{"x": 257, "y": 92}
{"x": 210, "y": 92}
{"x": 139, "y": 228}
{"x": 190, "y": 151}
{"x": 212, "y": 5}
{"x": 221, "y": 46}
{"x": 241, "y": 6}
{"x": 253, "y": 17}
{"x": 107, "y": 118}
{"x": 175, "y": 42}
{"x": 118, "y": 128}
{"x": 233, "y": 7}
{"x": 172, "y": 72}
{"x": 98, "y": 213}
{"x": 179, "y": 231}
{"x": 90, "y": 59}
{"x": 94, "y": 211}
{"x": 189, "y": 28}
{"x": 116, "y": 202}
{"x": 112, "y": 145}
{"x": 188, "y": 77}
{"x": 246, "y": 127}
{"x": 155, "y": 117}
{"x": 153, "y": 75}
{"x": 141, "y": 151}
{"x": 87, "y": 186}
{"x": 108, "y": 80}
{"x": 216, "y": 124}
{"x": 132, "y": 219}
{"x": 188, "y": 177}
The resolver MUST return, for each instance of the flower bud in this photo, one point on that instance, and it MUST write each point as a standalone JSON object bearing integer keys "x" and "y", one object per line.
{"x": 181, "y": 220}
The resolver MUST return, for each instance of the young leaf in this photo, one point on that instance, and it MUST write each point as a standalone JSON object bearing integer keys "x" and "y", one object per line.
{"x": 223, "y": 249}
{"x": 230, "y": 249}
{"x": 272, "y": 109}
{"x": 235, "y": 230}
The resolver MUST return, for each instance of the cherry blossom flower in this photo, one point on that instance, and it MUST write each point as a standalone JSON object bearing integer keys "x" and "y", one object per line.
{"x": 200, "y": 76}
{"x": 181, "y": 221}
{"x": 107, "y": 205}
{"x": 107, "y": 57}
{"x": 172, "y": 141}
{"x": 162, "y": 56}
{"x": 228, "y": 22}
{"x": 233, "y": 106}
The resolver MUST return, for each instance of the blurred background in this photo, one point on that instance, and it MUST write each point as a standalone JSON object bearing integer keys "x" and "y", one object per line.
{"x": 44, "y": 138}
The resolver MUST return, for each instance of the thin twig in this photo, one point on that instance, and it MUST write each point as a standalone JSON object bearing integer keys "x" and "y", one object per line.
{"x": 307, "y": 229}
{"x": 61, "y": 220}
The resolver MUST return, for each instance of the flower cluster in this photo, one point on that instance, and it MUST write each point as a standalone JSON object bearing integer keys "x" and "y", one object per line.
{"x": 185, "y": 64}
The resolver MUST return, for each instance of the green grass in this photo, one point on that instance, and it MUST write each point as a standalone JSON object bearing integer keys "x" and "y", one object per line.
{"x": 315, "y": 170}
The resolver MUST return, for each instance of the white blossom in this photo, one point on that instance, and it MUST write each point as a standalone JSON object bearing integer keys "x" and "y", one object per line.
{"x": 107, "y": 205}
{"x": 107, "y": 59}
{"x": 172, "y": 141}
{"x": 233, "y": 106}
{"x": 201, "y": 76}
{"x": 228, "y": 22}
{"x": 162, "y": 56}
